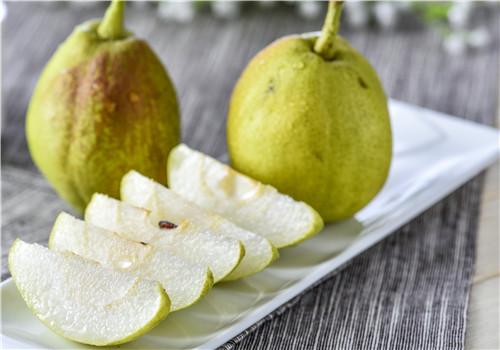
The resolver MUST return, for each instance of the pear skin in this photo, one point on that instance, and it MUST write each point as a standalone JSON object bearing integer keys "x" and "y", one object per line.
{"x": 309, "y": 116}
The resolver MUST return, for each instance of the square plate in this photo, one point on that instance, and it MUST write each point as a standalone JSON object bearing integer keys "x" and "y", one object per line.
{"x": 433, "y": 155}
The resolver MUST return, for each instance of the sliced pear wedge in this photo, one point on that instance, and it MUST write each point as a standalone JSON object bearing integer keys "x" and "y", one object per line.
{"x": 184, "y": 282}
{"x": 248, "y": 203}
{"x": 83, "y": 301}
{"x": 221, "y": 254}
{"x": 143, "y": 192}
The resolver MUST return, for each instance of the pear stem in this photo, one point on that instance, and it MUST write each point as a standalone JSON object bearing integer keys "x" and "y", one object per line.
{"x": 324, "y": 46}
{"x": 112, "y": 27}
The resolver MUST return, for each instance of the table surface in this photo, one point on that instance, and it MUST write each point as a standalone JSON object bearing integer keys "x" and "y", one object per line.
{"x": 483, "y": 329}
{"x": 204, "y": 59}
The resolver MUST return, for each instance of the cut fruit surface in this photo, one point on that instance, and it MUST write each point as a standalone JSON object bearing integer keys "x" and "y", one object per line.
{"x": 246, "y": 202}
{"x": 184, "y": 282}
{"x": 199, "y": 245}
{"x": 83, "y": 301}
{"x": 143, "y": 192}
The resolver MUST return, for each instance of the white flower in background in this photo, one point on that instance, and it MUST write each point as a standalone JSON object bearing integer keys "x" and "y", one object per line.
{"x": 455, "y": 44}
{"x": 386, "y": 14}
{"x": 459, "y": 14}
{"x": 179, "y": 11}
{"x": 479, "y": 38}
{"x": 356, "y": 14}
{"x": 310, "y": 9}
{"x": 226, "y": 9}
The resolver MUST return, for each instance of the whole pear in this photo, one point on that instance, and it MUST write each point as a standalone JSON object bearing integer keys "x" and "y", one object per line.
{"x": 103, "y": 105}
{"x": 310, "y": 117}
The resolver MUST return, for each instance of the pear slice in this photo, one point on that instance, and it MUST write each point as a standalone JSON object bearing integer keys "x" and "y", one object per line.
{"x": 143, "y": 192}
{"x": 198, "y": 245}
{"x": 83, "y": 301}
{"x": 184, "y": 282}
{"x": 246, "y": 202}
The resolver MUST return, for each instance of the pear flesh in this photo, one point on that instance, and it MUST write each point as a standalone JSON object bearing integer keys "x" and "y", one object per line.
{"x": 140, "y": 191}
{"x": 198, "y": 245}
{"x": 184, "y": 282}
{"x": 248, "y": 203}
{"x": 83, "y": 301}
{"x": 315, "y": 125}
{"x": 103, "y": 105}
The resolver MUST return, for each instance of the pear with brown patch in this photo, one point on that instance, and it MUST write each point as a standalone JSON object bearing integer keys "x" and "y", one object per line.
{"x": 103, "y": 105}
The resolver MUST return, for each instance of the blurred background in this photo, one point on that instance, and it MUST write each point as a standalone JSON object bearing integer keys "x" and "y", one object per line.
{"x": 441, "y": 55}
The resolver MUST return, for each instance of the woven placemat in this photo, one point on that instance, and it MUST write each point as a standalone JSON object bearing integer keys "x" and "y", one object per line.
{"x": 408, "y": 292}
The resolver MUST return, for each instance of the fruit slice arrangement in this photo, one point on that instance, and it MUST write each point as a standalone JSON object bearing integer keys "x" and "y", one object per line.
{"x": 155, "y": 234}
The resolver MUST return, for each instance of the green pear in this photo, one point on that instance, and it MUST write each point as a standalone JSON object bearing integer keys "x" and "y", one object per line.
{"x": 309, "y": 116}
{"x": 103, "y": 105}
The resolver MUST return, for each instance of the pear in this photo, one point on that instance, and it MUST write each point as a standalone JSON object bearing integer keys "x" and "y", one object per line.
{"x": 309, "y": 116}
{"x": 248, "y": 203}
{"x": 140, "y": 191}
{"x": 196, "y": 244}
{"x": 83, "y": 301}
{"x": 103, "y": 105}
{"x": 184, "y": 282}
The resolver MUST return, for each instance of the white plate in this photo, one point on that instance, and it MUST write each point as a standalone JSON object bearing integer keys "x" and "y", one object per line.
{"x": 434, "y": 154}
